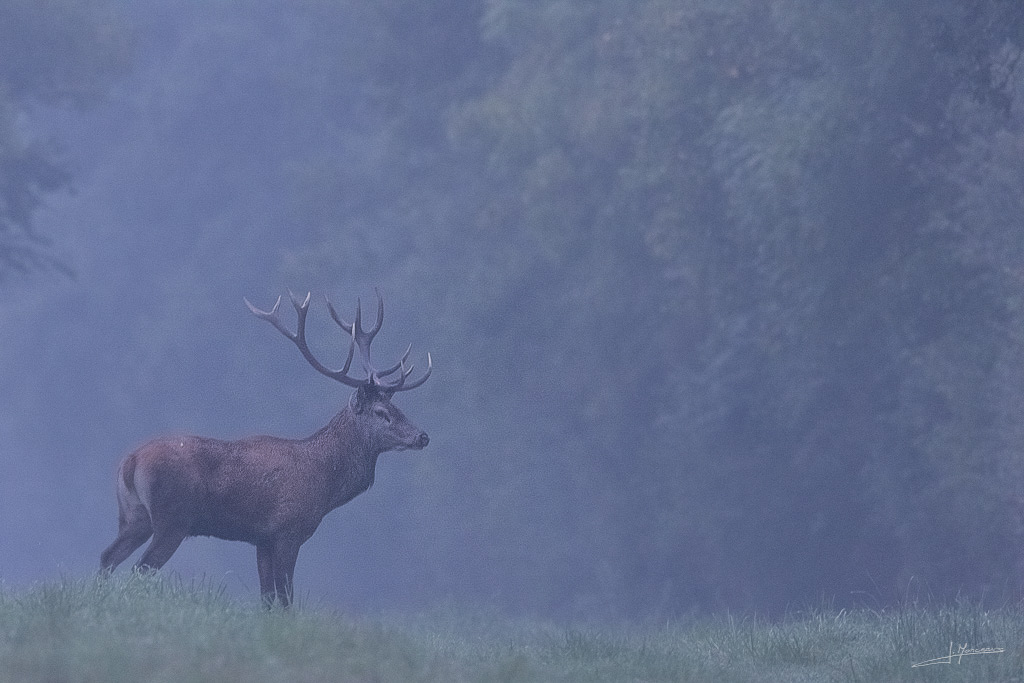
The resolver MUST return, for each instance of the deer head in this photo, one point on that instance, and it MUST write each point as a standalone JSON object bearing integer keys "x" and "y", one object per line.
{"x": 373, "y": 393}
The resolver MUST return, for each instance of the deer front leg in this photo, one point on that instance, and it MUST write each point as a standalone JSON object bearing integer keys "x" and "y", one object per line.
{"x": 265, "y": 567}
{"x": 285, "y": 554}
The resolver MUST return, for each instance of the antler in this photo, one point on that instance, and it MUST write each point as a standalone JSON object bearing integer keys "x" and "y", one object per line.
{"x": 363, "y": 338}
{"x": 360, "y": 338}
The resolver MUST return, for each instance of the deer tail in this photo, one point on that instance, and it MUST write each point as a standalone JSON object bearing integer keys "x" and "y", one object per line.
{"x": 129, "y": 495}
{"x": 127, "y": 478}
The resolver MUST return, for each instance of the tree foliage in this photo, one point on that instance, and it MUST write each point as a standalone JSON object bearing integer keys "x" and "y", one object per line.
{"x": 767, "y": 232}
{"x": 52, "y": 54}
{"x": 724, "y": 298}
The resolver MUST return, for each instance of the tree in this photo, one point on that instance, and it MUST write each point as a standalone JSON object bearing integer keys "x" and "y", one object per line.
{"x": 782, "y": 180}
{"x": 56, "y": 53}
{"x": 726, "y": 292}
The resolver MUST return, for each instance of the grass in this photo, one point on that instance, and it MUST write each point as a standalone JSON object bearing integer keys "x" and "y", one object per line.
{"x": 154, "y": 628}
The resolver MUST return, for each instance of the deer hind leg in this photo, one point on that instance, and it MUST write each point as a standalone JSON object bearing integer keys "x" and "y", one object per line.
{"x": 165, "y": 541}
{"x": 133, "y": 529}
{"x": 132, "y": 533}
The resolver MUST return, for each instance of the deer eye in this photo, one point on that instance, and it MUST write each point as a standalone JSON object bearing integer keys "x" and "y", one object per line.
{"x": 382, "y": 414}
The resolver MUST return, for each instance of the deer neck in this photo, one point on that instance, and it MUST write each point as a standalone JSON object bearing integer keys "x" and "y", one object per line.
{"x": 347, "y": 456}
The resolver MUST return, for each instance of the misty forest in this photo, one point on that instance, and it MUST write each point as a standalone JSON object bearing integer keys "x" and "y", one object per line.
{"x": 724, "y": 299}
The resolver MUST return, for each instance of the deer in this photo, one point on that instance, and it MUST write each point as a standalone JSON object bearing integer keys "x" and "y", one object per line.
{"x": 267, "y": 491}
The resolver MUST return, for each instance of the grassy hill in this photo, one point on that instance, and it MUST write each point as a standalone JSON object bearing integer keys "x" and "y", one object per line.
{"x": 154, "y": 628}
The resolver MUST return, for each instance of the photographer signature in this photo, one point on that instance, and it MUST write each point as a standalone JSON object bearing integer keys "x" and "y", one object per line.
{"x": 961, "y": 652}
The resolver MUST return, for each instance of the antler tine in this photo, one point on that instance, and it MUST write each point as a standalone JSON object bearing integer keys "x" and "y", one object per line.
{"x": 360, "y": 337}
{"x": 397, "y": 386}
{"x": 400, "y": 363}
{"x": 271, "y": 317}
{"x": 349, "y": 330}
{"x": 300, "y": 311}
{"x": 402, "y": 386}
{"x": 362, "y": 340}
{"x": 299, "y": 338}
{"x": 348, "y": 358}
{"x": 380, "y": 315}
{"x": 301, "y": 308}
{"x": 337, "y": 318}
{"x": 372, "y": 332}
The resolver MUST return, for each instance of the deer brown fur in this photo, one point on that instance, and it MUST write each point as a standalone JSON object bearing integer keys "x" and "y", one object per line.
{"x": 264, "y": 490}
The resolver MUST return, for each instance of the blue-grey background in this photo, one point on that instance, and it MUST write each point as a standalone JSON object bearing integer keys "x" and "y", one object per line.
{"x": 725, "y": 299}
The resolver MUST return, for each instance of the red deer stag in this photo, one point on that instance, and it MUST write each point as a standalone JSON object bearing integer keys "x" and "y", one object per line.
{"x": 264, "y": 490}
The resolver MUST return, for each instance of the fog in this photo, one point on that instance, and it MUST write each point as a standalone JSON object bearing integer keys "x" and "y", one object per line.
{"x": 723, "y": 299}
